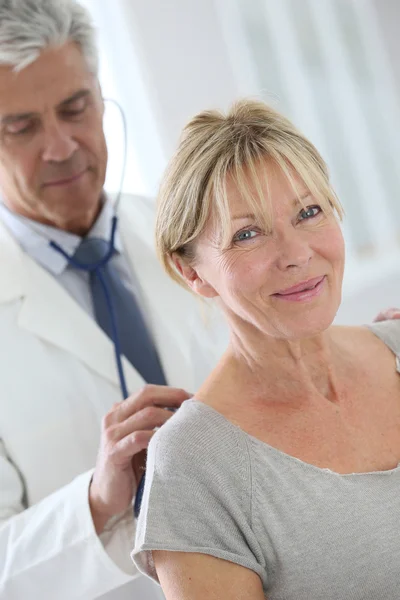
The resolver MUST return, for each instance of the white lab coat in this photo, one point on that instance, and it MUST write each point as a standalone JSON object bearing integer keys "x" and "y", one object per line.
{"x": 57, "y": 379}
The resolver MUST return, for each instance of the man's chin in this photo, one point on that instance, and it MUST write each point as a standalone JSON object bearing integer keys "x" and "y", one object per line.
{"x": 76, "y": 216}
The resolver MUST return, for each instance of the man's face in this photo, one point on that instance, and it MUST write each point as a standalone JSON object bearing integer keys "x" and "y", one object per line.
{"x": 53, "y": 154}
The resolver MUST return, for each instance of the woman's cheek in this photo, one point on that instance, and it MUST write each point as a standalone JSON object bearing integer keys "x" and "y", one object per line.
{"x": 251, "y": 270}
{"x": 329, "y": 241}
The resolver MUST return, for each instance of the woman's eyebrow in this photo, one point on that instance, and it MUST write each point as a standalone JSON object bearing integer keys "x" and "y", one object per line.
{"x": 244, "y": 216}
{"x": 295, "y": 202}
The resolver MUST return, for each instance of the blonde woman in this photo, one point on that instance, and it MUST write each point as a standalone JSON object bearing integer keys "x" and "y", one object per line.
{"x": 280, "y": 479}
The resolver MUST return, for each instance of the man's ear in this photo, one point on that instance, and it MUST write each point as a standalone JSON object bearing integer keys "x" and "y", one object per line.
{"x": 192, "y": 277}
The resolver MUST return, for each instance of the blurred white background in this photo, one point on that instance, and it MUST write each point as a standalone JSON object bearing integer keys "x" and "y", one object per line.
{"x": 330, "y": 65}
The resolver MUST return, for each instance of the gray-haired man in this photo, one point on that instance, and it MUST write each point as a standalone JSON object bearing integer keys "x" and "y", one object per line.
{"x": 66, "y": 528}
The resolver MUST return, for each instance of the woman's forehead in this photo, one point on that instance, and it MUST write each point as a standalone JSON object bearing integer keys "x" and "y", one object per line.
{"x": 265, "y": 183}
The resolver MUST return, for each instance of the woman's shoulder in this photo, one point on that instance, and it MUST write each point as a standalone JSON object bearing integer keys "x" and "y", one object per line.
{"x": 386, "y": 331}
{"x": 369, "y": 341}
{"x": 389, "y": 332}
{"x": 196, "y": 433}
{"x": 193, "y": 418}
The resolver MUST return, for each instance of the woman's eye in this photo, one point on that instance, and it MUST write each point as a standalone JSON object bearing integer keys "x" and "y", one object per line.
{"x": 245, "y": 234}
{"x": 309, "y": 212}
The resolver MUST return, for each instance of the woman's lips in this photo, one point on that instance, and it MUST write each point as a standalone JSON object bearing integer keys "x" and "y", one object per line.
{"x": 306, "y": 290}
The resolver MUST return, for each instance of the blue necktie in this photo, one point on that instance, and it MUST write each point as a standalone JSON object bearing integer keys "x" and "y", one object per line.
{"x": 118, "y": 314}
{"x": 135, "y": 341}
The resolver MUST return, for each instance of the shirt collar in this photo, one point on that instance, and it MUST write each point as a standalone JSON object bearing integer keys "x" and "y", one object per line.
{"x": 35, "y": 237}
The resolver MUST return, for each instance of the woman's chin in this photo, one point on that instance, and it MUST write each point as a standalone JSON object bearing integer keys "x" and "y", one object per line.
{"x": 313, "y": 327}
{"x": 308, "y": 324}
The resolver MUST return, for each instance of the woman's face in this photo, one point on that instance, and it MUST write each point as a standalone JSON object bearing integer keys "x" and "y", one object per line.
{"x": 286, "y": 283}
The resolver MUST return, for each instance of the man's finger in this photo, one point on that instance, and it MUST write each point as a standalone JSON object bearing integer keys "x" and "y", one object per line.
{"x": 146, "y": 419}
{"x": 390, "y": 313}
{"x": 150, "y": 395}
{"x": 131, "y": 445}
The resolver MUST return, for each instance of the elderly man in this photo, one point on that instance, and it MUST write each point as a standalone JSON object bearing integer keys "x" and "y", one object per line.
{"x": 73, "y": 298}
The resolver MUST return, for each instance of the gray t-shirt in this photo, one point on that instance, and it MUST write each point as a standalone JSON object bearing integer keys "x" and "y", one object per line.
{"x": 310, "y": 533}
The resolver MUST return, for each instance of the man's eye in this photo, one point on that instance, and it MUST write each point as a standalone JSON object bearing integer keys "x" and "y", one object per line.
{"x": 75, "y": 108}
{"x": 18, "y": 128}
{"x": 245, "y": 234}
{"x": 309, "y": 212}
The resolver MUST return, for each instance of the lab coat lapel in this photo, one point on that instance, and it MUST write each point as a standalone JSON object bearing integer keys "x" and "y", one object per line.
{"x": 50, "y": 313}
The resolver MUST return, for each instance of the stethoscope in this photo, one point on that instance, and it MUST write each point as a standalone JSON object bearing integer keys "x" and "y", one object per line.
{"x": 96, "y": 268}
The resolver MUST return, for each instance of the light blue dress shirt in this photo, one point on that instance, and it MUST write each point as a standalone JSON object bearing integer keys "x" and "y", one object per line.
{"x": 35, "y": 239}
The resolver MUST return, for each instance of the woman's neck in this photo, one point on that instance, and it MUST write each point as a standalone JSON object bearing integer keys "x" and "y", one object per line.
{"x": 272, "y": 369}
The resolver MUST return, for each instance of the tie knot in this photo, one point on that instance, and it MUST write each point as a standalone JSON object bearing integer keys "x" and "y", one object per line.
{"x": 91, "y": 251}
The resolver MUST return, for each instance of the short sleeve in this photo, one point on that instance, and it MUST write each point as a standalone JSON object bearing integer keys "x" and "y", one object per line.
{"x": 198, "y": 492}
{"x": 389, "y": 332}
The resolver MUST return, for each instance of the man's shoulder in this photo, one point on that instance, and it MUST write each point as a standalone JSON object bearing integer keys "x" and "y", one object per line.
{"x": 12, "y": 266}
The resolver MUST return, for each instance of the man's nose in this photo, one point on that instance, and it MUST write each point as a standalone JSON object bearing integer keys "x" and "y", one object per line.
{"x": 59, "y": 145}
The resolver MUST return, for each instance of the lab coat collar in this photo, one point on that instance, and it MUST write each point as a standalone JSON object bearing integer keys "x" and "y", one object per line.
{"x": 35, "y": 237}
{"x": 169, "y": 310}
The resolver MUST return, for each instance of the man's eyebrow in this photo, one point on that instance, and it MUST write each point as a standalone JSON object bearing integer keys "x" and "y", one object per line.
{"x": 80, "y": 94}
{"x": 8, "y": 119}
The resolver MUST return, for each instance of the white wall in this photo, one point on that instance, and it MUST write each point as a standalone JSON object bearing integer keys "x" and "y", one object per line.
{"x": 388, "y": 16}
{"x": 183, "y": 58}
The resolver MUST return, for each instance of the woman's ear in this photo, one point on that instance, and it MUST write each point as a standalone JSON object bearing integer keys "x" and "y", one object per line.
{"x": 192, "y": 277}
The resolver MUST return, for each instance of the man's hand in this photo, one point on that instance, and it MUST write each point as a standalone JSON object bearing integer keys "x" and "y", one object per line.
{"x": 390, "y": 313}
{"x": 126, "y": 432}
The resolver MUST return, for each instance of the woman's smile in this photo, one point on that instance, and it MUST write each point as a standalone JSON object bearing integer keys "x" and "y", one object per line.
{"x": 303, "y": 292}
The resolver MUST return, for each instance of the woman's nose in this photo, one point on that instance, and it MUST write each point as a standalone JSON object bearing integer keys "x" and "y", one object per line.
{"x": 293, "y": 250}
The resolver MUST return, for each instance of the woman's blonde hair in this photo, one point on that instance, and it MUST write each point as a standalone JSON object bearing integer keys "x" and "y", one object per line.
{"x": 213, "y": 146}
